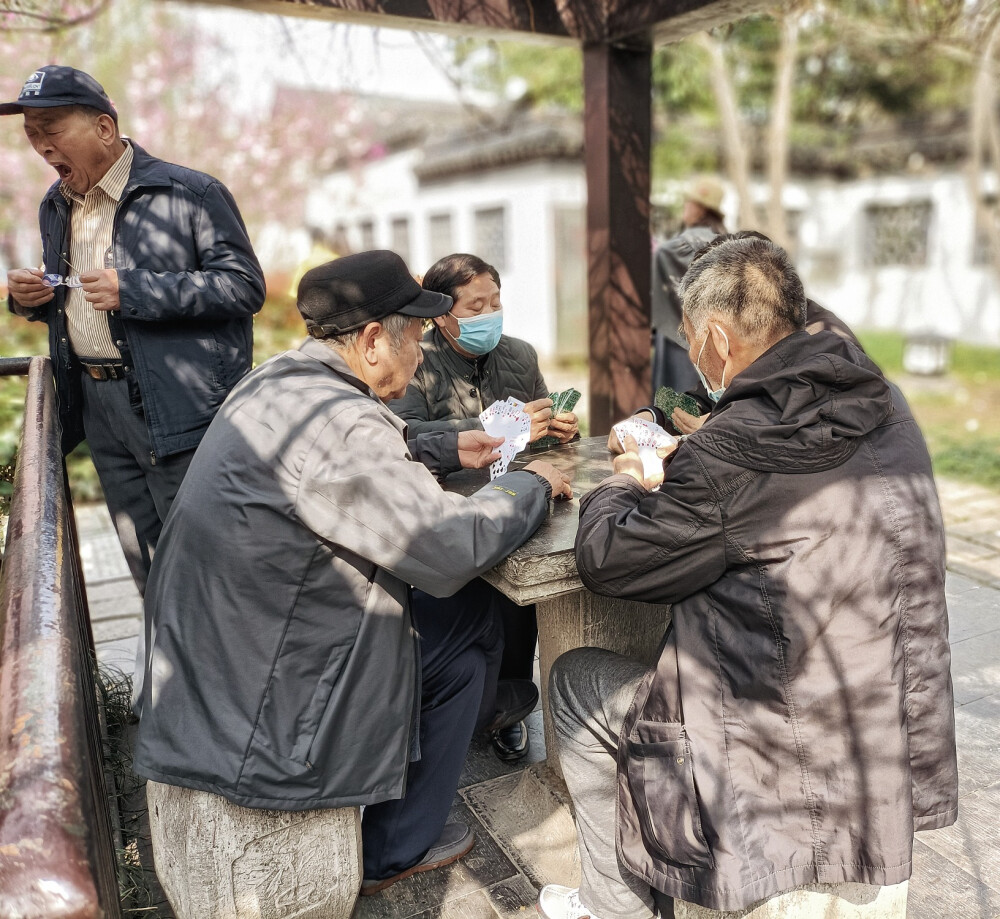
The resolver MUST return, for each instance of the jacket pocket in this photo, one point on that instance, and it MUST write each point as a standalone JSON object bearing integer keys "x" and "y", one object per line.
{"x": 661, "y": 779}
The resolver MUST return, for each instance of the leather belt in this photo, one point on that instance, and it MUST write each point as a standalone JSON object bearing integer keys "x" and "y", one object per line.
{"x": 104, "y": 370}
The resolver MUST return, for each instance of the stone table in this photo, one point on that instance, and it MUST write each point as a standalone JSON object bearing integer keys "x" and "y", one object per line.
{"x": 543, "y": 572}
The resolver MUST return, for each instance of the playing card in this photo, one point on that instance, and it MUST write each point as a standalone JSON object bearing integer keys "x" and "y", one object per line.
{"x": 668, "y": 399}
{"x": 509, "y": 421}
{"x": 564, "y": 401}
{"x": 646, "y": 433}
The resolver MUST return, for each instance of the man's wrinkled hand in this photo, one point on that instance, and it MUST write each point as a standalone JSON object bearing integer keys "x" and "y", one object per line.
{"x": 559, "y": 482}
{"x": 630, "y": 463}
{"x": 476, "y": 449}
{"x": 27, "y": 290}
{"x": 100, "y": 289}
{"x": 686, "y": 423}
{"x": 539, "y": 411}
{"x": 564, "y": 427}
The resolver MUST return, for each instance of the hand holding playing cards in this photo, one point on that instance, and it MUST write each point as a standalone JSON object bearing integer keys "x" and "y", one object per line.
{"x": 685, "y": 423}
{"x": 539, "y": 411}
{"x": 614, "y": 441}
{"x": 648, "y": 475}
{"x": 559, "y": 482}
{"x": 564, "y": 427}
{"x": 476, "y": 449}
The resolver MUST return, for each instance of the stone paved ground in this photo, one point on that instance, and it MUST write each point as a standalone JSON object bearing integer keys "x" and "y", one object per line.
{"x": 956, "y": 870}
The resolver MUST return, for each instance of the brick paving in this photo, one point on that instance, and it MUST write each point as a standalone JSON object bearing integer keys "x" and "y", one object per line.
{"x": 956, "y": 870}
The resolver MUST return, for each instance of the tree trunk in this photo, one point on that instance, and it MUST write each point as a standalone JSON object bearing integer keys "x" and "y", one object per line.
{"x": 781, "y": 117}
{"x": 985, "y": 133}
{"x": 734, "y": 143}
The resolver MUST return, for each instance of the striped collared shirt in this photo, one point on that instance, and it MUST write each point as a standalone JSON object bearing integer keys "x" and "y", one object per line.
{"x": 92, "y": 219}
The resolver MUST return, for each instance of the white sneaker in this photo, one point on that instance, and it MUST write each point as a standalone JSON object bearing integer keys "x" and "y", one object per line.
{"x": 556, "y": 902}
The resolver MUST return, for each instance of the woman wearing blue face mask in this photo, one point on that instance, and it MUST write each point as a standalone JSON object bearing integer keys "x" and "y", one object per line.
{"x": 468, "y": 365}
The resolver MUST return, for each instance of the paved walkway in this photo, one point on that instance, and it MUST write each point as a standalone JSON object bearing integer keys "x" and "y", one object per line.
{"x": 956, "y": 870}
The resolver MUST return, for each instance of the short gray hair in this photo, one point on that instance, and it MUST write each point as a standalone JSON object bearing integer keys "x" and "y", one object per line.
{"x": 395, "y": 325}
{"x": 748, "y": 280}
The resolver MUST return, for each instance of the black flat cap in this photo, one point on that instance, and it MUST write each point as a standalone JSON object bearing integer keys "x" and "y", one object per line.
{"x": 350, "y": 292}
{"x": 55, "y": 85}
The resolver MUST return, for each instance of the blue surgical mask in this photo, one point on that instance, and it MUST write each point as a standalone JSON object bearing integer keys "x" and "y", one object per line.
{"x": 713, "y": 394}
{"x": 480, "y": 334}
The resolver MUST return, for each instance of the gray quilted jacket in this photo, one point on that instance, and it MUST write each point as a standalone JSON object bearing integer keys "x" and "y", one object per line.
{"x": 449, "y": 391}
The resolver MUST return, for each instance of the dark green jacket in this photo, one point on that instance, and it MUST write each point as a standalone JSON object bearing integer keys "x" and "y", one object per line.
{"x": 449, "y": 391}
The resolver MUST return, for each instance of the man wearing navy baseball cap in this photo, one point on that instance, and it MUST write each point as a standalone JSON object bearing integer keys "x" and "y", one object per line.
{"x": 293, "y": 665}
{"x": 148, "y": 285}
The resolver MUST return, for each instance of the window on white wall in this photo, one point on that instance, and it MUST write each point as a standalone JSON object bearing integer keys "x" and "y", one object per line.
{"x": 367, "y": 230}
{"x": 401, "y": 238}
{"x": 439, "y": 231}
{"x": 896, "y": 234}
{"x": 490, "y": 235}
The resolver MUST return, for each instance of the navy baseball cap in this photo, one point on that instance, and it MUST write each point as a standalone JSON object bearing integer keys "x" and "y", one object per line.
{"x": 55, "y": 85}
{"x": 350, "y": 292}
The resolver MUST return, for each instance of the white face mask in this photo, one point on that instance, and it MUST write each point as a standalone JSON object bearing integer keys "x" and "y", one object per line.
{"x": 713, "y": 394}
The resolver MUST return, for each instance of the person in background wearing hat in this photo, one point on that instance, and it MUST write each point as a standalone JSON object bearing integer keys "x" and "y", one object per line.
{"x": 284, "y": 669}
{"x": 702, "y": 220}
{"x": 149, "y": 286}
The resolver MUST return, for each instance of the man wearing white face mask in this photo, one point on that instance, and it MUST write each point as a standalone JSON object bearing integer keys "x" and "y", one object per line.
{"x": 468, "y": 365}
{"x": 798, "y": 723}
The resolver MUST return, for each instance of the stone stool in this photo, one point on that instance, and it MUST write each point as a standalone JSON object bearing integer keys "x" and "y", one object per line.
{"x": 815, "y": 901}
{"x": 216, "y": 860}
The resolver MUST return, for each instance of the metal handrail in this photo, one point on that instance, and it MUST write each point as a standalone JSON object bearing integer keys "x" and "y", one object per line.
{"x": 57, "y": 857}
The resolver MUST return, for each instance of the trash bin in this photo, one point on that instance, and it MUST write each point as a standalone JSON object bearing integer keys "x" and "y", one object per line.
{"x": 926, "y": 353}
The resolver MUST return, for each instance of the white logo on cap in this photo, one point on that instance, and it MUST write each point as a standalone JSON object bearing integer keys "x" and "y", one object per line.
{"x": 33, "y": 85}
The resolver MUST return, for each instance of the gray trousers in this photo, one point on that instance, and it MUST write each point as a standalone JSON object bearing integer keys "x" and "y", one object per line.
{"x": 590, "y": 691}
{"x": 137, "y": 491}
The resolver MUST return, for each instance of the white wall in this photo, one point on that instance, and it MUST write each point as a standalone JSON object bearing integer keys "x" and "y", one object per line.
{"x": 387, "y": 189}
{"x": 948, "y": 295}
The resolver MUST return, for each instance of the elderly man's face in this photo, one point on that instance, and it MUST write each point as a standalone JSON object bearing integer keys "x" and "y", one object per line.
{"x": 479, "y": 297}
{"x": 398, "y": 366}
{"x": 702, "y": 352}
{"x": 81, "y": 149}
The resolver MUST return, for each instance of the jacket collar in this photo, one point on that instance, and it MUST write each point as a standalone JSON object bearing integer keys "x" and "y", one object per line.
{"x": 147, "y": 172}
{"x": 803, "y": 405}
{"x": 468, "y": 368}
{"x": 317, "y": 351}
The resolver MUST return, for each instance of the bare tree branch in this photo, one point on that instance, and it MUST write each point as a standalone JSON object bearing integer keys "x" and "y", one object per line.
{"x": 737, "y": 154}
{"x": 46, "y": 17}
{"x": 781, "y": 119}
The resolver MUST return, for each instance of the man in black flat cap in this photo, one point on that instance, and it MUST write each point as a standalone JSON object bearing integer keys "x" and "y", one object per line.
{"x": 149, "y": 287}
{"x": 289, "y": 668}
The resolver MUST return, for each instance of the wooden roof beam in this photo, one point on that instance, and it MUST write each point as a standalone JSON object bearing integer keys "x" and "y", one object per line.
{"x": 571, "y": 21}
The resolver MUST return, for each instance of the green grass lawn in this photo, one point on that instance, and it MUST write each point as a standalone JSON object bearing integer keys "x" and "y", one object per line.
{"x": 958, "y": 412}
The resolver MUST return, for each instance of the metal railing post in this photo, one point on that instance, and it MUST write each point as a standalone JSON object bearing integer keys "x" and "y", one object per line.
{"x": 56, "y": 853}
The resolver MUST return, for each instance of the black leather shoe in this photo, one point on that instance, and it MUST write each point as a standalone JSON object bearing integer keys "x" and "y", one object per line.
{"x": 511, "y": 743}
{"x": 456, "y": 840}
{"x": 516, "y": 699}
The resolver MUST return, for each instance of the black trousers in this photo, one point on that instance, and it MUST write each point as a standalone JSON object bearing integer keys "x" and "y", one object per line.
{"x": 461, "y": 644}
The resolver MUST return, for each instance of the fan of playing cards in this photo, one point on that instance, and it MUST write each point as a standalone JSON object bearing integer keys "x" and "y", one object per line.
{"x": 648, "y": 435}
{"x": 510, "y": 421}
